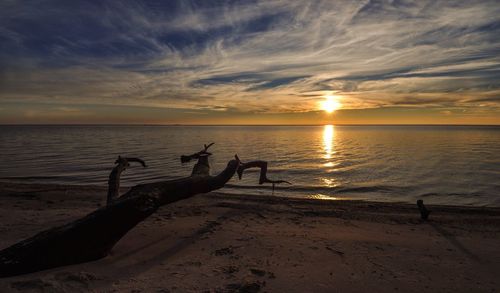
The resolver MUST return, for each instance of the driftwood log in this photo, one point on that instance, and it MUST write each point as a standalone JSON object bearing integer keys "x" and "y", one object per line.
{"x": 93, "y": 236}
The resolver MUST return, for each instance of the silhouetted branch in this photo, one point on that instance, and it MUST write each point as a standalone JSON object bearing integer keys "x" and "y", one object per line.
{"x": 204, "y": 152}
{"x": 114, "y": 176}
{"x": 263, "y": 172}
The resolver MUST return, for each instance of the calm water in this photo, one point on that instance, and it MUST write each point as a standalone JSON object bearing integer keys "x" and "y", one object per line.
{"x": 442, "y": 164}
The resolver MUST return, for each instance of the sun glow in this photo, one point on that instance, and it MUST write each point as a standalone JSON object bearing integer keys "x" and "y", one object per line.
{"x": 330, "y": 104}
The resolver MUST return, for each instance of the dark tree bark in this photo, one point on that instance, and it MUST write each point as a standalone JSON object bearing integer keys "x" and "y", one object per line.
{"x": 92, "y": 237}
{"x": 114, "y": 176}
{"x": 86, "y": 239}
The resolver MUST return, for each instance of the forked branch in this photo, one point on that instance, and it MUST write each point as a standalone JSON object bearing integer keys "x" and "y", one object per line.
{"x": 204, "y": 152}
{"x": 114, "y": 177}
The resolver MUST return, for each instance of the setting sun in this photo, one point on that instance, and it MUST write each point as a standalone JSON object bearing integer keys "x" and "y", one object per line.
{"x": 330, "y": 104}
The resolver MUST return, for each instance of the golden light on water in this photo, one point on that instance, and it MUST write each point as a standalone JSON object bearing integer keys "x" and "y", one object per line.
{"x": 329, "y": 152}
{"x": 328, "y": 134}
{"x": 324, "y": 197}
{"x": 330, "y": 104}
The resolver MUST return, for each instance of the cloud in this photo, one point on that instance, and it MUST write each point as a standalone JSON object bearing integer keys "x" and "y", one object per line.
{"x": 254, "y": 56}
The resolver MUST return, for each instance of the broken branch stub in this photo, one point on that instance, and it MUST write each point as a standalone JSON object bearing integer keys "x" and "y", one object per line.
{"x": 202, "y": 153}
{"x": 424, "y": 212}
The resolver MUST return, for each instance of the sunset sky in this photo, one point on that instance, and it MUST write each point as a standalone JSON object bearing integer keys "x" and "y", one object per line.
{"x": 249, "y": 62}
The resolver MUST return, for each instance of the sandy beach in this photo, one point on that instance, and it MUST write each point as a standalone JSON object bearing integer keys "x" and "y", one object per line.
{"x": 243, "y": 243}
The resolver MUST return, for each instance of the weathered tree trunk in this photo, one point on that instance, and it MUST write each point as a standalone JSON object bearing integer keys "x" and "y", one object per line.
{"x": 93, "y": 236}
{"x": 86, "y": 239}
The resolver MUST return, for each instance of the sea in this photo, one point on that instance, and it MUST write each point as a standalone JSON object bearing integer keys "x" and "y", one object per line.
{"x": 445, "y": 165}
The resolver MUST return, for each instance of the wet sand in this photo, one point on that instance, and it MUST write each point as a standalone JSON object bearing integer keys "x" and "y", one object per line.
{"x": 242, "y": 243}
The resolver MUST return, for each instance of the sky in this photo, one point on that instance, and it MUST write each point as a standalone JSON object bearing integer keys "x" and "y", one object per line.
{"x": 249, "y": 62}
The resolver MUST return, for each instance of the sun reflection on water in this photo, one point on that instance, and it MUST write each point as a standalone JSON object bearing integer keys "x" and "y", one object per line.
{"x": 329, "y": 152}
{"x": 328, "y": 134}
{"x": 324, "y": 197}
{"x": 329, "y": 182}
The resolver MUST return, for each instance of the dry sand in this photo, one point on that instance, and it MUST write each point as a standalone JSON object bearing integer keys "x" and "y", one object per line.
{"x": 226, "y": 243}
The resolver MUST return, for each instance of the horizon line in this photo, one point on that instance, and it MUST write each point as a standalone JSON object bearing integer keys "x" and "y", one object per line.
{"x": 182, "y": 124}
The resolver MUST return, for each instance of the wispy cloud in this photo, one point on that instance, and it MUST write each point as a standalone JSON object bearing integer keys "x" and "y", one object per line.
{"x": 257, "y": 56}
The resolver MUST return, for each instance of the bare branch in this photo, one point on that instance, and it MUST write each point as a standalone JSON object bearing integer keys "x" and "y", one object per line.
{"x": 207, "y": 146}
{"x": 137, "y": 160}
{"x": 202, "y": 153}
{"x": 114, "y": 176}
{"x": 263, "y": 171}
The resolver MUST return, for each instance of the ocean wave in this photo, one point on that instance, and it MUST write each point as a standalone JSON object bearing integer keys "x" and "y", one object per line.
{"x": 324, "y": 189}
